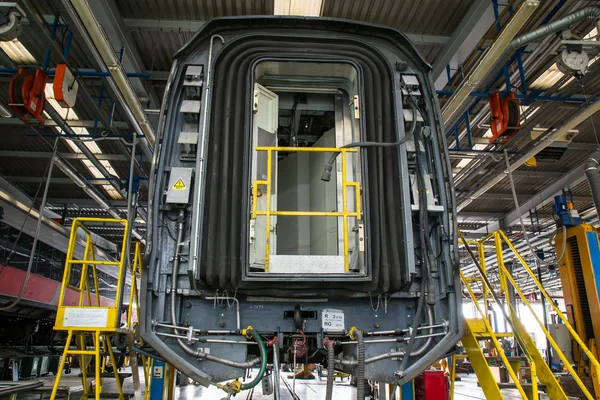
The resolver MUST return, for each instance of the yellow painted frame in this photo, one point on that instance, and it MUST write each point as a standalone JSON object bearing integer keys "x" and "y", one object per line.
{"x": 345, "y": 184}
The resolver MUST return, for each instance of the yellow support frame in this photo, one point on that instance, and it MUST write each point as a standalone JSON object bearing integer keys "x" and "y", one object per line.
{"x": 539, "y": 367}
{"x": 100, "y": 334}
{"x": 345, "y": 214}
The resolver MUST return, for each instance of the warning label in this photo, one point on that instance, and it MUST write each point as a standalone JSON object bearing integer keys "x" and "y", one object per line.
{"x": 179, "y": 185}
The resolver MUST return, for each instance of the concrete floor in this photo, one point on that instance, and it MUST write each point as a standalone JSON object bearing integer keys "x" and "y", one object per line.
{"x": 466, "y": 389}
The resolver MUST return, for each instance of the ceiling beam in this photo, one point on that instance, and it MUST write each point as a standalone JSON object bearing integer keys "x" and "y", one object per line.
{"x": 538, "y": 174}
{"x": 461, "y": 33}
{"x": 19, "y": 213}
{"x": 478, "y": 215}
{"x": 56, "y": 180}
{"x": 153, "y": 25}
{"x": 56, "y": 202}
{"x": 67, "y": 156}
{"x": 108, "y": 15}
{"x": 72, "y": 123}
{"x": 570, "y": 179}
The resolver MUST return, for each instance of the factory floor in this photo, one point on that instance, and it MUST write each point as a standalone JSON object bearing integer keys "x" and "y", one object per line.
{"x": 465, "y": 389}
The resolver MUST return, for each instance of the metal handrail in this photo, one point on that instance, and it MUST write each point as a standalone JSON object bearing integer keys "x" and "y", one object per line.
{"x": 496, "y": 343}
{"x": 564, "y": 319}
{"x": 268, "y": 213}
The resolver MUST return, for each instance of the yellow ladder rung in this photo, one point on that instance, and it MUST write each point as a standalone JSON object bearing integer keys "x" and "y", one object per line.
{"x": 81, "y": 352}
{"x": 93, "y": 262}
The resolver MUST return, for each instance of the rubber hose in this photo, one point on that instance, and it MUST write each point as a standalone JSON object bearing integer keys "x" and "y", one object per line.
{"x": 330, "y": 370}
{"x": 263, "y": 361}
{"x": 326, "y": 177}
{"x": 423, "y": 218}
{"x": 360, "y": 368}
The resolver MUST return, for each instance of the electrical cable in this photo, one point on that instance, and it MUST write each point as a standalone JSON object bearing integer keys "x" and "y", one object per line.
{"x": 517, "y": 207}
{"x": 37, "y": 231}
{"x": 326, "y": 177}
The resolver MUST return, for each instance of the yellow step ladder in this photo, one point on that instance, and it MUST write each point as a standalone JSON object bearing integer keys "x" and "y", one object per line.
{"x": 90, "y": 325}
{"x": 479, "y": 329}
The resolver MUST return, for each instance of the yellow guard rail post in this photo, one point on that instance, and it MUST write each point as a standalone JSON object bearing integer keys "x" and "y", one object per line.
{"x": 268, "y": 183}
{"x": 86, "y": 319}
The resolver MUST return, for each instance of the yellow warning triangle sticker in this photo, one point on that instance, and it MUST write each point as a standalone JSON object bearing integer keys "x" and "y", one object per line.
{"x": 179, "y": 185}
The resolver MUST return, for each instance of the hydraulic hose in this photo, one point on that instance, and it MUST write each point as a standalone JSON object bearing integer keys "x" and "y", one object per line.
{"x": 263, "y": 361}
{"x": 360, "y": 368}
{"x": 326, "y": 177}
{"x": 330, "y": 369}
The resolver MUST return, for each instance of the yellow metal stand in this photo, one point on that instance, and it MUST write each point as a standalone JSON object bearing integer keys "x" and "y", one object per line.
{"x": 89, "y": 323}
{"x": 480, "y": 329}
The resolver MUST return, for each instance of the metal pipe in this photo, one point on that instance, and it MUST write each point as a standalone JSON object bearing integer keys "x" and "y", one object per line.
{"x": 401, "y": 331}
{"x": 95, "y": 39}
{"x": 593, "y": 176}
{"x": 276, "y": 379}
{"x": 384, "y": 356}
{"x": 203, "y": 133}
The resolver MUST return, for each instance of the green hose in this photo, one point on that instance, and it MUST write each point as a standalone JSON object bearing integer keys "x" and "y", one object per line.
{"x": 263, "y": 361}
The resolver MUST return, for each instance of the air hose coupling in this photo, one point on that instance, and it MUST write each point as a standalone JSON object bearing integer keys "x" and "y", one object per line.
{"x": 246, "y": 332}
{"x": 231, "y": 388}
{"x": 352, "y": 333}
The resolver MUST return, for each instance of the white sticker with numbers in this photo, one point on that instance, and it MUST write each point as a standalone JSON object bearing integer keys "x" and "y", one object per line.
{"x": 332, "y": 320}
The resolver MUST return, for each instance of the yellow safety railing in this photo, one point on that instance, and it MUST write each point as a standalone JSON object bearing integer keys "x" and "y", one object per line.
{"x": 506, "y": 278}
{"x": 99, "y": 321}
{"x": 501, "y": 236}
{"x": 498, "y": 346}
{"x": 268, "y": 183}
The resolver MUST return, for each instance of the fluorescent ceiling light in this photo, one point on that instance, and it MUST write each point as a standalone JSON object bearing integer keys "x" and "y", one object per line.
{"x": 70, "y": 115}
{"x": 308, "y": 8}
{"x": 17, "y": 52}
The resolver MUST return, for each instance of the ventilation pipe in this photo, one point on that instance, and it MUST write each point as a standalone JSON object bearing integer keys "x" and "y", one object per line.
{"x": 593, "y": 176}
{"x": 87, "y": 188}
{"x": 95, "y": 39}
{"x": 536, "y": 148}
{"x": 456, "y": 106}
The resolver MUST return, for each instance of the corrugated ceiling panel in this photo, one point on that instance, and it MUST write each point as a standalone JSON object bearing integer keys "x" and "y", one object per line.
{"x": 192, "y": 9}
{"x": 438, "y": 17}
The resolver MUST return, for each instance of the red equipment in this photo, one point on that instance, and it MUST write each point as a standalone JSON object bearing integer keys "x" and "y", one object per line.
{"x": 26, "y": 95}
{"x": 432, "y": 385}
{"x": 506, "y": 117}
